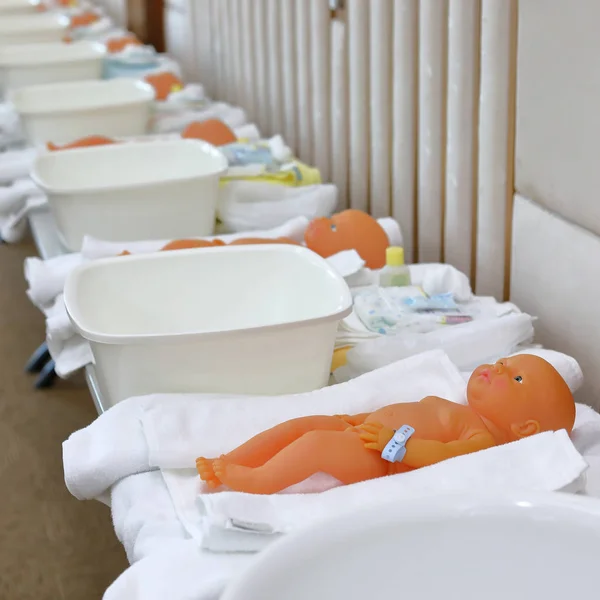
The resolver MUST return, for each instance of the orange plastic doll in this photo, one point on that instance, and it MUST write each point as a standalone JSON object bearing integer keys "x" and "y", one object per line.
{"x": 513, "y": 399}
{"x": 84, "y": 19}
{"x": 212, "y": 131}
{"x": 86, "y": 142}
{"x": 192, "y": 243}
{"x": 118, "y": 44}
{"x": 164, "y": 84}
{"x": 349, "y": 230}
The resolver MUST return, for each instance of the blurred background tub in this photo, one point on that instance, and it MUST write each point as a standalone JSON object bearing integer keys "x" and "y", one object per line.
{"x": 241, "y": 319}
{"x": 121, "y": 192}
{"x": 64, "y": 112}
{"x": 23, "y": 65}
{"x": 28, "y": 29}
{"x": 18, "y": 7}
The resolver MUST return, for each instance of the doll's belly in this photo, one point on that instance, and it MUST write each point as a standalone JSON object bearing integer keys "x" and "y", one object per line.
{"x": 426, "y": 421}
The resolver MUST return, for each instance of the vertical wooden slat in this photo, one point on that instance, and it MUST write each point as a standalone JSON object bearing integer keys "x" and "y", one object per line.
{"x": 259, "y": 42}
{"x": 226, "y": 19}
{"x": 462, "y": 128}
{"x": 218, "y": 73}
{"x": 202, "y": 34}
{"x": 404, "y": 123}
{"x": 321, "y": 93}
{"x": 339, "y": 111}
{"x": 303, "y": 79}
{"x": 433, "y": 22}
{"x": 358, "y": 63}
{"x": 381, "y": 52}
{"x": 288, "y": 61}
{"x": 248, "y": 48}
{"x": 274, "y": 101}
{"x": 495, "y": 137}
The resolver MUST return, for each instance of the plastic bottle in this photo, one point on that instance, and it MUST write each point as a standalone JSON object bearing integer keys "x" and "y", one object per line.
{"x": 395, "y": 273}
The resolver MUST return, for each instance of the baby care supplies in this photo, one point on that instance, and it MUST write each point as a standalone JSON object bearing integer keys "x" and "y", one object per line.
{"x": 395, "y": 273}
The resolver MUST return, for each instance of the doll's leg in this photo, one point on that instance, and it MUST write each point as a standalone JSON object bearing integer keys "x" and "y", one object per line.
{"x": 267, "y": 444}
{"x": 340, "y": 454}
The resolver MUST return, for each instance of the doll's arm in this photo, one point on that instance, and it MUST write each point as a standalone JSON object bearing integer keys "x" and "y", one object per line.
{"x": 422, "y": 453}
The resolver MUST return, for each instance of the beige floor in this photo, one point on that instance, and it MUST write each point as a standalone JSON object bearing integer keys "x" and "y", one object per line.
{"x": 51, "y": 545}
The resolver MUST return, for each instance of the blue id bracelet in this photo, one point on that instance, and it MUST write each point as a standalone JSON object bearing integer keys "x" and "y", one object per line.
{"x": 395, "y": 449}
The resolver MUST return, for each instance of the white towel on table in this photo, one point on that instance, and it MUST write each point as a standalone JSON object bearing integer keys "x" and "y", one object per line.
{"x": 545, "y": 462}
{"x": 179, "y": 572}
{"x": 93, "y": 248}
{"x": 46, "y": 278}
{"x": 67, "y": 348}
{"x": 249, "y": 205}
{"x": 16, "y": 164}
{"x": 468, "y": 345}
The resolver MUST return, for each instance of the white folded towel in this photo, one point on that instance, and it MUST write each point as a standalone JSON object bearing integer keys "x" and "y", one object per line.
{"x": 16, "y": 164}
{"x": 46, "y": 278}
{"x": 545, "y": 462}
{"x": 179, "y": 572}
{"x": 93, "y": 248}
{"x": 13, "y": 196}
{"x": 249, "y": 132}
{"x": 249, "y": 205}
{"x": 468, "y": 345}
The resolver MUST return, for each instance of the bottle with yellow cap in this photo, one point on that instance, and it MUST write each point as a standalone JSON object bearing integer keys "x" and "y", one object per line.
{"x": 395, "y": 273}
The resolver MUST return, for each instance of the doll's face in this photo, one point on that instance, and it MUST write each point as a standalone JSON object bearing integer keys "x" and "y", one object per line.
{"x": 522, "y": 396}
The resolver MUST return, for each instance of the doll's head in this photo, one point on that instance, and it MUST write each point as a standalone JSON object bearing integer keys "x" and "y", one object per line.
{"x": 164, "y": 84}
{"x": 349, "y": 230}
{"x": 84, "y": 19}
{"x": 118, "y": 44}
{"x": 85, "y": 142}
{"x": 213, "y": 131}
{"x": 521, "y": 396}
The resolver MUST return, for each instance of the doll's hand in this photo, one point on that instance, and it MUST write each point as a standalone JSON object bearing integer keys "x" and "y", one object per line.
{"x": 375, "y": 436}
{"x": 352, "y": 421}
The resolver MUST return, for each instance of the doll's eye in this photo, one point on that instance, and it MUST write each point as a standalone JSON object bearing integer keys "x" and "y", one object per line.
{"x": 333, "y": 227}
{"x": 519, "y": 379}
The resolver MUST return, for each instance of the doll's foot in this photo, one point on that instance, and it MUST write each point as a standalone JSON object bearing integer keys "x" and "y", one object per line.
{"x": 235, "y": 477}
{"x": 205, "y": 468}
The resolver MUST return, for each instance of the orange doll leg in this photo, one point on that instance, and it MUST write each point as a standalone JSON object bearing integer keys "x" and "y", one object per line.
{"x": 259, "y": 449}
{"x": 340, "y": 454}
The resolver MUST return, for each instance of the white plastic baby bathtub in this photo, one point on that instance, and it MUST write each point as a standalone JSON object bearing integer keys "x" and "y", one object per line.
{"x": 64, "y": 112}
{"x": 23, "y": 65}
{"x": 124, "y": 192}
{"x": 28, "y": 29}
{"x": 522, "y": 547}
{"x": 18, "y": 7}
{"x": 241, "y": 319}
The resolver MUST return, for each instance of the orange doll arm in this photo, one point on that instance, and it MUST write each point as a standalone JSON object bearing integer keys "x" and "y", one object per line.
{"x": 422, "y": 453}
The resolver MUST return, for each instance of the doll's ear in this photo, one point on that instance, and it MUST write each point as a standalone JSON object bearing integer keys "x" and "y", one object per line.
{"x": 526, "y": 429}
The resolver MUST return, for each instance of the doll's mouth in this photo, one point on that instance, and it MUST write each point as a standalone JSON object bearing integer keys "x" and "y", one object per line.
{"x": 485, "y": 375}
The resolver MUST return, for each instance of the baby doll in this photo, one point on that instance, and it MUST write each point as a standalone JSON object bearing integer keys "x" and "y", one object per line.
{"x": 513, "y": 399}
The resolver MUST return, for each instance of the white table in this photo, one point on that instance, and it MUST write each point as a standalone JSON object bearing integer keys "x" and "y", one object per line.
{"x": 48, "y": 244}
